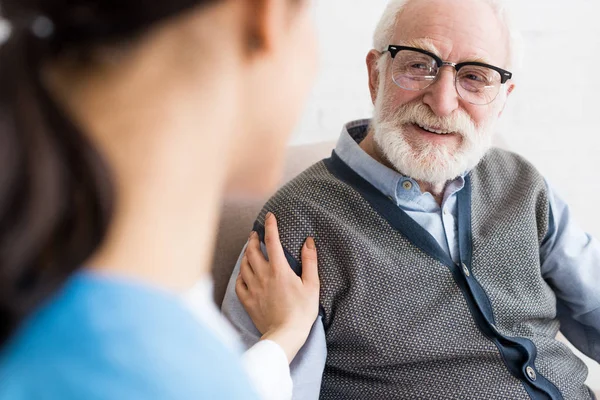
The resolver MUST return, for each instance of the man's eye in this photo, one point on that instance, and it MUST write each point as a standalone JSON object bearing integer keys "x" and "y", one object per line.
{"x": 419, "y": 66}
{"x": 475, "y": 77}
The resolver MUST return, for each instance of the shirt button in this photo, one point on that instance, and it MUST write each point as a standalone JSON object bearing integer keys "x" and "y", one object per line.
{"x": 531, "y": 373}
{"x": 466, "y": 270}
{"x": 445, "y": 212}
{"x": 407, "y": 185}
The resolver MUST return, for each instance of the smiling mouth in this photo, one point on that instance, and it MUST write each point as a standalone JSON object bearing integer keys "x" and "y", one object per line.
{"x": 434, "y": 130}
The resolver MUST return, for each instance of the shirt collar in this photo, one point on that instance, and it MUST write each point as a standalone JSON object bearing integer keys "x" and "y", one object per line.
{"x": 403, "y": 190}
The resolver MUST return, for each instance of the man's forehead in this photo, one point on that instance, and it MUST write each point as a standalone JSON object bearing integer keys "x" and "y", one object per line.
{"x": 420, "y": 43}
{"x": 466, "y": 30}
{"x": 430, "y": 45}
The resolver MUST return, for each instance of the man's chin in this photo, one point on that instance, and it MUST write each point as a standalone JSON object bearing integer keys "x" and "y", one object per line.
{"x": 432, "y": 168}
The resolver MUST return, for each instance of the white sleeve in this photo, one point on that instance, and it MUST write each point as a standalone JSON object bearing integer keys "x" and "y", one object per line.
{"x": 308, "y": 365}
{"x": 267, "y": 366}
{"x": 266, "y": 363}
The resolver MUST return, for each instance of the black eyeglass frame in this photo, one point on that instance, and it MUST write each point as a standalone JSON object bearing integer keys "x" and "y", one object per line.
{"x": 504, "y": 74}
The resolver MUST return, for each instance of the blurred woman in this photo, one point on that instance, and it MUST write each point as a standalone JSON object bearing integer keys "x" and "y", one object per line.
{"x": 122, "y": 126}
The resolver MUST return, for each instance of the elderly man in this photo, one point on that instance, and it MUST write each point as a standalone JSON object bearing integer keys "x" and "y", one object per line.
{"x": 447, "y": 268}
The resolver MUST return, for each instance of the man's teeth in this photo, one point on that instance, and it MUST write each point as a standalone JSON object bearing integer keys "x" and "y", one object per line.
{"x": 433, "y": 130}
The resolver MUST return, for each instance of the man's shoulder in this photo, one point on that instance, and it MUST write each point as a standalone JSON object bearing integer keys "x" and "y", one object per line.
{"x": 506, "y": 178}
{"x": 312, "y": 199}
{"x": 502, "y": 163}
{"x": 314, "y": 181}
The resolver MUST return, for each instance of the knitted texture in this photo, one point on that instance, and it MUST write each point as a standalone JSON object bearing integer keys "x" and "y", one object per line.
{"x": 397, "y": 325}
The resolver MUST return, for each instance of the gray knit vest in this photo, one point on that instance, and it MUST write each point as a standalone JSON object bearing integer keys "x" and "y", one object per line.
{"x": 402, "y": 321}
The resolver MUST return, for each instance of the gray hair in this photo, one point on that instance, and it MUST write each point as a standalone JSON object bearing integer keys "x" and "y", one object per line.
{"x": 387, "y": 24}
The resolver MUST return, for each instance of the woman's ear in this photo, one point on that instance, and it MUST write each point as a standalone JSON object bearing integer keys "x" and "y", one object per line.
{"x": 266, "y": 22}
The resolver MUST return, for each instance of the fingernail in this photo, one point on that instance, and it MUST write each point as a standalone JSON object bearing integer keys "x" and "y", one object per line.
{"x": 251, "y": 235}
{"x": 310, "y": 243}
{"x": 269, "y": 215}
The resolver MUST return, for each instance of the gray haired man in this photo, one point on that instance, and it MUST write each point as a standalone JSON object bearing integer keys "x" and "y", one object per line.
{"x": 447, "y": 267}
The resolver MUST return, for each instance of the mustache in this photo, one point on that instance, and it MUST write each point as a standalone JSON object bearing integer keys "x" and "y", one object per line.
{"x": 420, "y": 114}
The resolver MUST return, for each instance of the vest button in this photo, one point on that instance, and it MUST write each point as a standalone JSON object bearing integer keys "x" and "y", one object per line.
{"x": 466, "y": 270}
{"x": 531, "y": 373}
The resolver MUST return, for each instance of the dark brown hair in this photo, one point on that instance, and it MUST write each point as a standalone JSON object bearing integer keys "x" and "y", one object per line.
{"x": 56, "y": 194}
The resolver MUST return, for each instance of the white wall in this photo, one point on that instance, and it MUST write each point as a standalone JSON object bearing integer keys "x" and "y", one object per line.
{"x": 551, "y": 118}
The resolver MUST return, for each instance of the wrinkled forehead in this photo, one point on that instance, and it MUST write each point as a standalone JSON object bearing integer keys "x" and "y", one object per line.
{"x": 457, "y": 31}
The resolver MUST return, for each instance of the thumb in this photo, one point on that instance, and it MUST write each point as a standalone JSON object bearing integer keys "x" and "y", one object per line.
{"x": 310, "y": 270}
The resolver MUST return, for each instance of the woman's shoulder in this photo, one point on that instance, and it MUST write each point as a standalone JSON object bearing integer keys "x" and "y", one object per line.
{"x": 104, "y": 338}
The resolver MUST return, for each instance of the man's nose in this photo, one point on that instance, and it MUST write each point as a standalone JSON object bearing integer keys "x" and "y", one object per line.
{"x": 441, "y": 96}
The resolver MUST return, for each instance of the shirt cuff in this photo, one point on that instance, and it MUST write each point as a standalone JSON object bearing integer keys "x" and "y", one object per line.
{"x": 267, "y": 366}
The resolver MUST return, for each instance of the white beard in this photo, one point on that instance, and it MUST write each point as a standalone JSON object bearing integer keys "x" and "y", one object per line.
{"x": 422, "y": 160}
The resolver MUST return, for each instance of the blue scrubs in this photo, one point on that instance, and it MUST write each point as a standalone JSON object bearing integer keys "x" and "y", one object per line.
{"x": 108, "y": 338}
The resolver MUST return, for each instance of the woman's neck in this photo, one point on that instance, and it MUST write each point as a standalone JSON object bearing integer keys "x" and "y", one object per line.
{"x": 166, "y": 142}
{"x": 165, "y": 221}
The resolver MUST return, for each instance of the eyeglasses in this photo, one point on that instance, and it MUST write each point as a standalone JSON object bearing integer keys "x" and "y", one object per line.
{"x": 416, "y": 69}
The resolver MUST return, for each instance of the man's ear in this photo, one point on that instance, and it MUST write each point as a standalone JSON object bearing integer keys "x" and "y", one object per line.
{"x": 509, "y": 90}
{"x": 372, "y": 59}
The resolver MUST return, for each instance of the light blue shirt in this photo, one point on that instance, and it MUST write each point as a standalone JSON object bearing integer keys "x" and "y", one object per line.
{"x": 107, "y": 338}
{"x": 440, "y": 222}
{"x": 570, "y": 261}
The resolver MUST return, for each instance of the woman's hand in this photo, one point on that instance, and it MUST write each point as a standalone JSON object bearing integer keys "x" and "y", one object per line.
{"x": 282, "y": 305}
